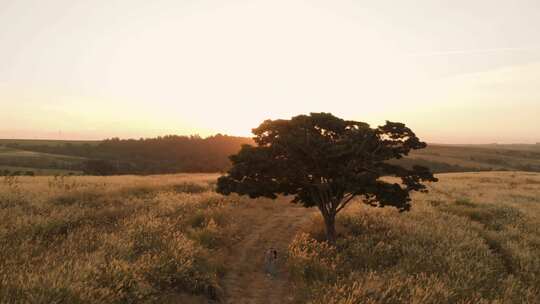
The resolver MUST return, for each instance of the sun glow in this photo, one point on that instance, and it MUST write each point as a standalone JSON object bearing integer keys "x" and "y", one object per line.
{"x": 140, "y": 68}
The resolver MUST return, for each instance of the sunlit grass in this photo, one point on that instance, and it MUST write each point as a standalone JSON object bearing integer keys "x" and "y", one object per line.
{"x": 474, "y": 239}
{"x": 112, "y": 239}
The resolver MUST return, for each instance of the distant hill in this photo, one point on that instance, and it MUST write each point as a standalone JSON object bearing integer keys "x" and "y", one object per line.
{"x": 45, "y": 142}
{"x": 19, "y": 161}
{"x": 174, "y": 154}
{"x": 167, "y": 154}
{"x": 464, "y": 158}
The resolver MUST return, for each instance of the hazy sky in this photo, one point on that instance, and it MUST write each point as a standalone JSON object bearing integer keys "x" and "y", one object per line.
{"x": 455, "y": 71}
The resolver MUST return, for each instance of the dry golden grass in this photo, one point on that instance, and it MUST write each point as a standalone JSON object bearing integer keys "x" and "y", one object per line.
{"x": 475, "y": 238}
{"x": 114, "y": 239}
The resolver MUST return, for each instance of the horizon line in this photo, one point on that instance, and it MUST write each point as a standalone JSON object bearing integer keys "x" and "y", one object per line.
{"x": 247, "y": 137}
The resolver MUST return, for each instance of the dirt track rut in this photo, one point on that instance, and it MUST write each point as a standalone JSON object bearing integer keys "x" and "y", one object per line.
{"x": 246, "y": 281}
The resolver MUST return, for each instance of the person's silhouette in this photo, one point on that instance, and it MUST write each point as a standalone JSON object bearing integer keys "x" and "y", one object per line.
{"x": 270, "y": 261}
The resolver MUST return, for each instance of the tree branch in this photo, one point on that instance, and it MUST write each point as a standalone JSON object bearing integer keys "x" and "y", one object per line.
{"x": 345, "y": 202}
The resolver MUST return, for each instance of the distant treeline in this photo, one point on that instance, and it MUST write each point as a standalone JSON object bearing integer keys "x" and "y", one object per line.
{"x": 177, "y": 154}
{"x": 167, "y": 154}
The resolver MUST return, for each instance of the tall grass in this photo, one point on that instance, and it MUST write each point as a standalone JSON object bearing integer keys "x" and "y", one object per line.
{"x": 112, "y": 239}
{"x": 474, "y": 239}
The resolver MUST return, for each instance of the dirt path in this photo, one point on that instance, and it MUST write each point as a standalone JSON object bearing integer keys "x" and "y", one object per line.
{"x": 246, "y": 281}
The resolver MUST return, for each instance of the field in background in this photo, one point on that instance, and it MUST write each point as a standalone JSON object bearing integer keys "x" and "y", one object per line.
{"x": 22, "y": 161}
{"x": 469, "y": 158}
{"x": 70, "y": 156}
{"x": 36, "y": 171}
{"x": 35, "y": 142}
{"x": 475, "y": 238}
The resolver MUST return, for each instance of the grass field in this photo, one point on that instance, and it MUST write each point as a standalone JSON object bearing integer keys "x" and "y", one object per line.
{"x": 38, "y": 171}
{"x": 40, "y": 163}
{"x": 117, "y": 239}
{"x": 45, "y": 142}
{"x": 475, "y": 238}
{"x": 460, "y": 158}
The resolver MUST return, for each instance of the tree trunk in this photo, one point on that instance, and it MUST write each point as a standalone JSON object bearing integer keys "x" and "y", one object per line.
{"x": 330, "y": 222}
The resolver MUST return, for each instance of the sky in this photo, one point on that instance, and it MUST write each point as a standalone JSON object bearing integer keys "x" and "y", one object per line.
{"x": 454, "y": 71}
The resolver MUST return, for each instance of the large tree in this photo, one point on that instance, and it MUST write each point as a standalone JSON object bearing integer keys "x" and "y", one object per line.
{"x": 327, "y": 162}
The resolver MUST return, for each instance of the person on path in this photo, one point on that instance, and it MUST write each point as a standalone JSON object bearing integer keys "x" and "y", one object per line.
{"x": 270, "y": 262}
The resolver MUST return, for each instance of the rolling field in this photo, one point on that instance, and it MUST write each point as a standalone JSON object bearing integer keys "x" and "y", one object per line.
{"x": 18, "y": 160}
{"x": 439, "y": 158}
{"x": 160, "y": 239}
{"x": 475, "y": 238}
{"x": 39, "y": 172}
{"x": 52, "y": 142}
{"x": 468, "y": 158}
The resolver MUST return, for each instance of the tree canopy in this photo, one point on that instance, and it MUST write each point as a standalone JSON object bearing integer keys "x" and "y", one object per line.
{"x": 325, "y": 161}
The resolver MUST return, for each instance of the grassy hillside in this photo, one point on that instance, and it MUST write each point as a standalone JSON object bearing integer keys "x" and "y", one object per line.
{"x": 467, "y": 158}
{"x": 18, "y": 160}
{"x": 160, "y": 155}
{"x": 475, "y": 238}
{"x": 193, "y": 154}
{"x": 45, "y": 142}
{"x": 126, "y": 239}
{"x": 11, "y": 170}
